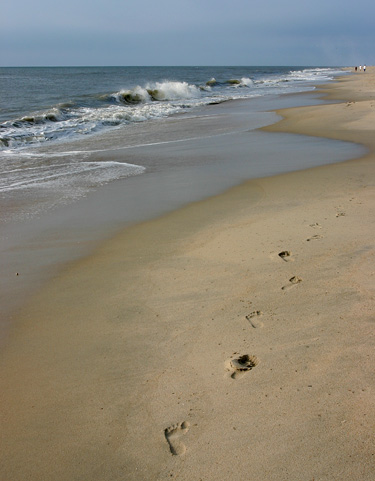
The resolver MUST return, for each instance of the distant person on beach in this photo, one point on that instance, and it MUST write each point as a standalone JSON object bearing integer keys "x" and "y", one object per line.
{"x": 360, "y": 67}
{"x": 364, "y": 68}
{"x": 355, "y": 68}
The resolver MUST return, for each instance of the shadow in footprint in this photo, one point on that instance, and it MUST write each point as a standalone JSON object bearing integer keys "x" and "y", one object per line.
{"x": 286, "y": 256}
{"x": 293, "y": 281}
{"x": 241, "y": 365}
{"x": 173, "y": 434}
{"x": 254, "y": 320}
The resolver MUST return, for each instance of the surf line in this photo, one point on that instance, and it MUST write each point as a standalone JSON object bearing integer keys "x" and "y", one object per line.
{"x": 137, "y": 146}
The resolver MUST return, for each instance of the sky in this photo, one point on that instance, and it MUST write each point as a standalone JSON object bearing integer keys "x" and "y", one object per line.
{"x": 187, "y": 32}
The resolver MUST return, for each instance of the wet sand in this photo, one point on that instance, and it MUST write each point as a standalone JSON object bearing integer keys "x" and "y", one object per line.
{"x": 231, "y": 339}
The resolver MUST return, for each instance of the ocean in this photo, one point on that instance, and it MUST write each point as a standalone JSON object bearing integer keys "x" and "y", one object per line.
{"x": 57, "y": 123}
{"x": 87, "y": 151}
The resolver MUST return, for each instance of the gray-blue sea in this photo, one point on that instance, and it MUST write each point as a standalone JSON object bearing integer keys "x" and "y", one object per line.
{"x": 56, "y": 124}
{"x": 40, "y": 105}
{"x": 87, "y": 151}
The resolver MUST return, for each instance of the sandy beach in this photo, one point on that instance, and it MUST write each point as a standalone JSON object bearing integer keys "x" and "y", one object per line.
{"x": 231, "y": 339}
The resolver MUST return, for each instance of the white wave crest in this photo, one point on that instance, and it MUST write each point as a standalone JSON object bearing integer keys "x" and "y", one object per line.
{"x": 173, "y": 90}
{"x": 246, "y": 82}
{"x": 134, "y": 96}
{"x": 158, "y": 91}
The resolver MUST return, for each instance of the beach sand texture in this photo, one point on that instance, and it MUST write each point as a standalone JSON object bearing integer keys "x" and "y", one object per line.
{"x": 232, "y": 339}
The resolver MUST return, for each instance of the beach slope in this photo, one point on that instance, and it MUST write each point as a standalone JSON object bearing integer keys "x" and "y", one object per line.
{"x": 232, "y": 339}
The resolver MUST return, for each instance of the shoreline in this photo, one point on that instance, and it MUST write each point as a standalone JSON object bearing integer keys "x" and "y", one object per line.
{"x": 186, "y": 347}
{"x": 38, "y": 248}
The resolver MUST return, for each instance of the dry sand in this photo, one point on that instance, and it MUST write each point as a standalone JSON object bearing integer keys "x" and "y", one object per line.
{"x": 188, "y": 348}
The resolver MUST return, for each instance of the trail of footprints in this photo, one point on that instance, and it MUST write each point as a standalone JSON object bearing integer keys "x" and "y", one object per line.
{"x": 237, "y": 365}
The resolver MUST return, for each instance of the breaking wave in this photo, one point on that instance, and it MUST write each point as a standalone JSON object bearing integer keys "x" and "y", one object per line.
{"x": 158, "y": 92}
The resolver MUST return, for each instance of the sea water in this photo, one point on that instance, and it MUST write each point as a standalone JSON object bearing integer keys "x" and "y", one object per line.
{"x": 56, "y": 124}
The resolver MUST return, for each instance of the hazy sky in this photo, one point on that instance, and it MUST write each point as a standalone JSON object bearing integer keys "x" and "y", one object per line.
{"x": 187, "y": 32}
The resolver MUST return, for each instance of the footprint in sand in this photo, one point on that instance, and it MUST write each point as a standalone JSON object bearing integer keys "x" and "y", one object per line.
{"x": 293, "y": 281}
{"x": 316, "y": 225}
{"x": 315, "y": 237}
{"x": 286, "y": 256}
{"x": 340, "y": 214}
{"x": 173, "y": 434}
{"x": 239, "y": 366}
{"x": 253, "y": 318}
